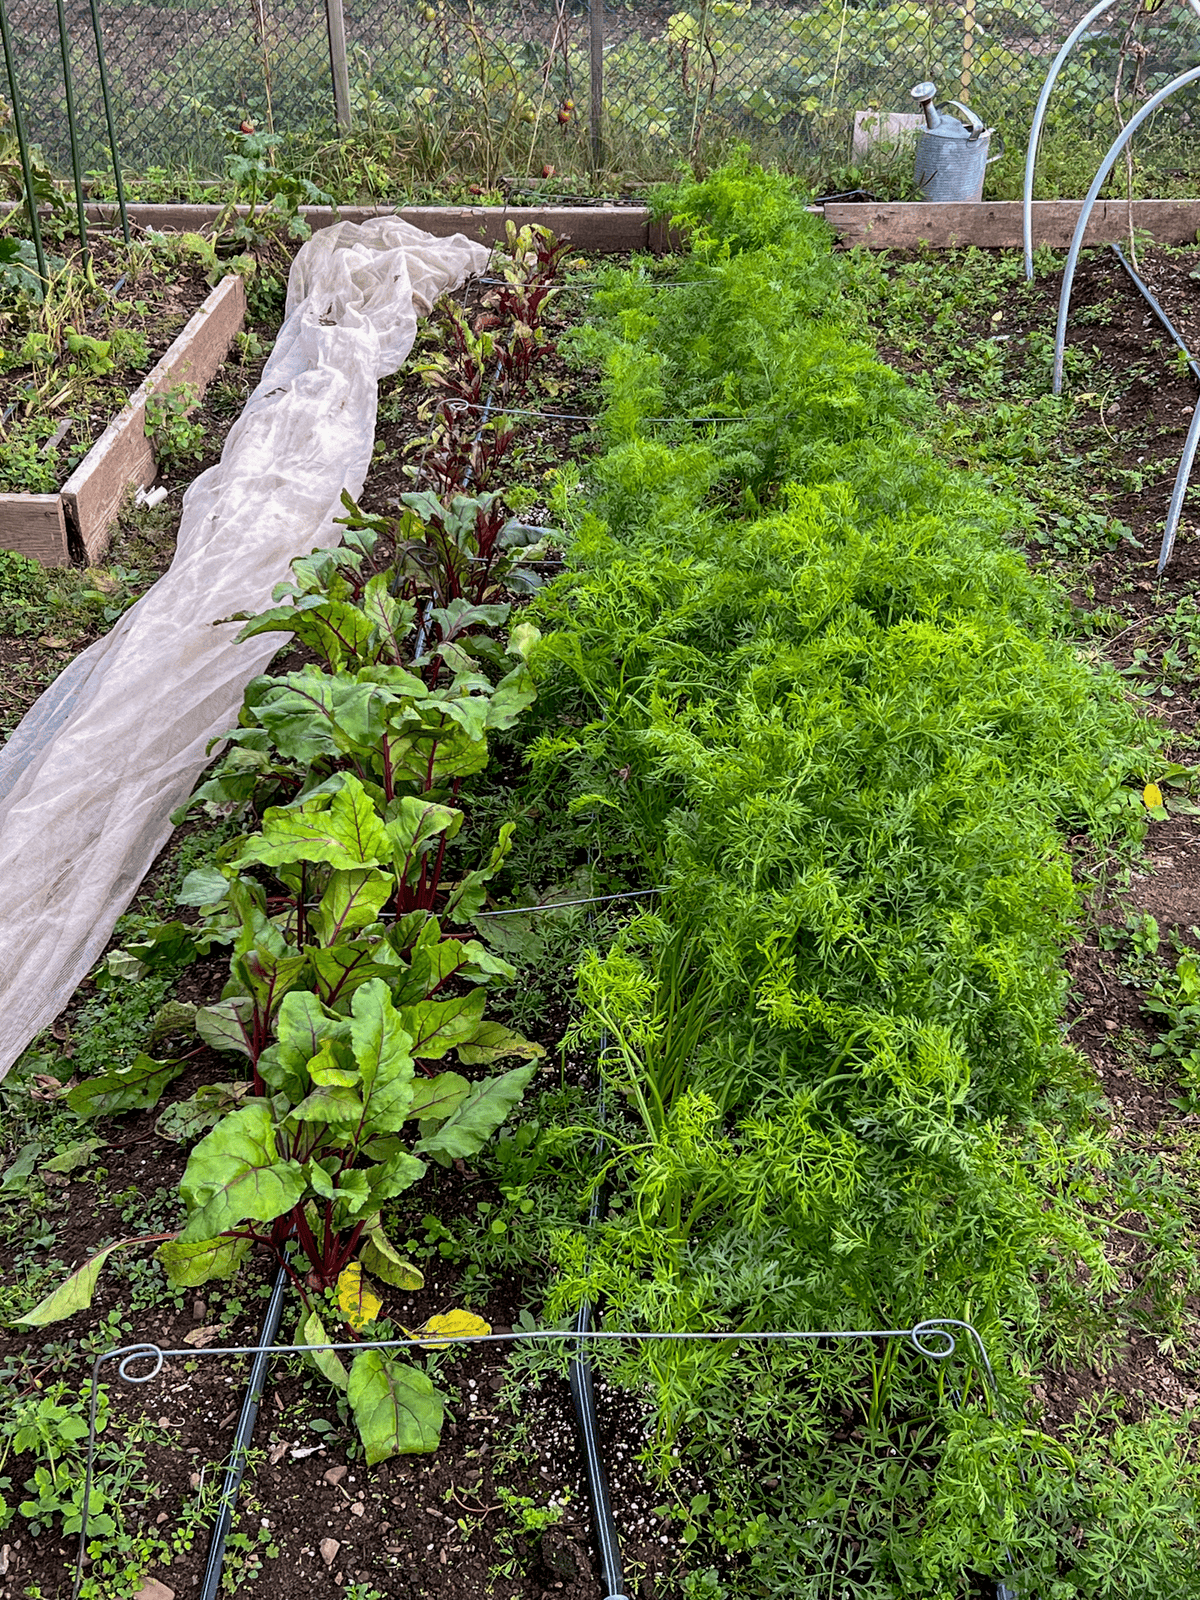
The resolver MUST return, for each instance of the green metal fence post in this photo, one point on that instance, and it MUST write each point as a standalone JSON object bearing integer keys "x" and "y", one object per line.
{"x": 108, "y": 117}
{"x": 22, "y": 142}
{"x": 338, "y": 66}
{"x": 596, "y": 81}
{"x": 76, "y": 165}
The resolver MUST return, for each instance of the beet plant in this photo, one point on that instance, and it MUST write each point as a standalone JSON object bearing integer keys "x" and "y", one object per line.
{"x": 345, "y": 995}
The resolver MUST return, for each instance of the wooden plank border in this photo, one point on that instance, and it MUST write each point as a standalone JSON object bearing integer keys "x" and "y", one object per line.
{"x": 45, "y": 526}
{"x": 996, "y": 224}
{"x": 604, "y": 228}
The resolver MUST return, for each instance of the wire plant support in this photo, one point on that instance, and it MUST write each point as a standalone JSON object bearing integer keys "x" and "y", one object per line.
{"x": 20, "y": 128}
{"x": 10, "y": 65}
{"x": 935, "y": 1338}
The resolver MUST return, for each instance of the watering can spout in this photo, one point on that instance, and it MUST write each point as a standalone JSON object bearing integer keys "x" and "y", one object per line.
{"x": 923, "y": 94}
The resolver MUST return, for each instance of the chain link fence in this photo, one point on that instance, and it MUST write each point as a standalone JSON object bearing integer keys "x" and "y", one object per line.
{"x": 514, "y": 86}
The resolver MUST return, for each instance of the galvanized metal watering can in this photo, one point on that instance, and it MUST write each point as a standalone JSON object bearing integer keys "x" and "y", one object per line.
{"x": 951, "y": 157}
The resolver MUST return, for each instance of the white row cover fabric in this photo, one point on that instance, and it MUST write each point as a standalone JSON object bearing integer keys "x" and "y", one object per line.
{"x": 90, "y": 777}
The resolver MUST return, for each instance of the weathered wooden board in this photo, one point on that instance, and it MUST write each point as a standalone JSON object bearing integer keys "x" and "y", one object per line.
{"x": 37, "y": 524}
{"x": 997, "y": 223}
{"x": 122, "y": 456}
{"x": 34, "y": 524}
{"x": 604, "y": 228}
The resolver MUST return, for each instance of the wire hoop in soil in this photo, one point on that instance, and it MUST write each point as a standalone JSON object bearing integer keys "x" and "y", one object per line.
{"x": 935, "y": 1338}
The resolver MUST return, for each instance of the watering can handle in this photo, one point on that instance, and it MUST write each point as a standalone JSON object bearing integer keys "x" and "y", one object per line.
{"x": 973, "y": 122}
{"x": 999, "y": 152}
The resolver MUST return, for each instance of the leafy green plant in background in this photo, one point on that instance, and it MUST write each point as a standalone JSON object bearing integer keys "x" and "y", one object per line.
{"x": 176, "y": 439}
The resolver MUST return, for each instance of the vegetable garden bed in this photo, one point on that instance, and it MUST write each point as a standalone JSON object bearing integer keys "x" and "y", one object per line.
{"x": 837, "y": 740}
{"x": 65, "y": 378}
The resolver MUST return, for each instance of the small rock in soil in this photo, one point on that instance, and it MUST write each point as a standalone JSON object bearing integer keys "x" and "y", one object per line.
{"x": 199, "y": 1311}
{"x": 153, "y": 1590}
{"x": 329, "y": 1550}
{"x": 335, "y": 1475}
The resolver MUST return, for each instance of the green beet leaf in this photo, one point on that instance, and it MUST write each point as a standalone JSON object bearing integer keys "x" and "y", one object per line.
{"x": 469, "y": 1128}
{"x": 73, "y": 1295}
{"x": 438, "y": 1026}
{"x": 330, "y": 1103}
{"x": 203, "y": 886}
{"x": 512, "y": 695}
{"x": 332, "y": 628}
{"x": 187, "y": 1119}
{"x": 398, "y": 1171}
{"x": 234, "y": 1175}
{"x": 492, "y": 1041}
{"x": 342, "y": 830}
{"x": 76, "y": 1155}
{"x": 396, "y": 1407}
{"x": 380, "y": 1258}
{"x": 310, "y": 714}
{"x": 304, "y": 1022}
{"x": 391, "y": 619}
{"x": 133, "y": 1088}
{"x": 468, "y": 894}
{"x": 227, "y": 1025}
{"x": 352, "y": 900}
{"x": 340, "y": 969}
{"x": 413, "y": 823}
{"x": 383, "y": 1053}
{"x": 435, "y": 1098}
{"x": 190, "y": 1263}
{"x": 329, "y": 1067}
{"x": 328, "y": 1363}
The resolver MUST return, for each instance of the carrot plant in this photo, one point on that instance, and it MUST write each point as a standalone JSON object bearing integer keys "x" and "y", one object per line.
{"x": 800, "y": 676}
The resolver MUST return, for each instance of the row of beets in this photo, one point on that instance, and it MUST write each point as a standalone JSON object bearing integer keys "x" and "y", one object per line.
{"x": 346, "y": 994}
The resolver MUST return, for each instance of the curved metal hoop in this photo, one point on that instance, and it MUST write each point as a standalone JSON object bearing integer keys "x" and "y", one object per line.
{"x": 1175, "y": 510}
{"x": 1106, "y": 166}
{"x": 1035, "y": 131}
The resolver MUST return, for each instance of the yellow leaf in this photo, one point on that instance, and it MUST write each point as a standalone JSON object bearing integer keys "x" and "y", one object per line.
{"x": 456, "y": 1324}
{"x": 355, "y": 1300}
{"x": 1152, "y": 795}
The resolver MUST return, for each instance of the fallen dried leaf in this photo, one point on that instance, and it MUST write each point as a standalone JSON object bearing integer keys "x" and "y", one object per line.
{"x": 199, "y": 1337}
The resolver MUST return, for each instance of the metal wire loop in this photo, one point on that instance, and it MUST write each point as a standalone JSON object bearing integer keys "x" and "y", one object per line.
{"x": 139, "y": 1352}
{"x": 934, "y": 1339}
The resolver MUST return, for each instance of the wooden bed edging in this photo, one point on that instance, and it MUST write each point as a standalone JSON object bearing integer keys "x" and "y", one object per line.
{"x": 996, "y": 224}
{"x": 46, "y": 525}
{"x": 602, "y": 227}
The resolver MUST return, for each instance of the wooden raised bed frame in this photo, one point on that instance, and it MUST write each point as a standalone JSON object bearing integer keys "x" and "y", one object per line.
{"x": 54, "y": 527}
